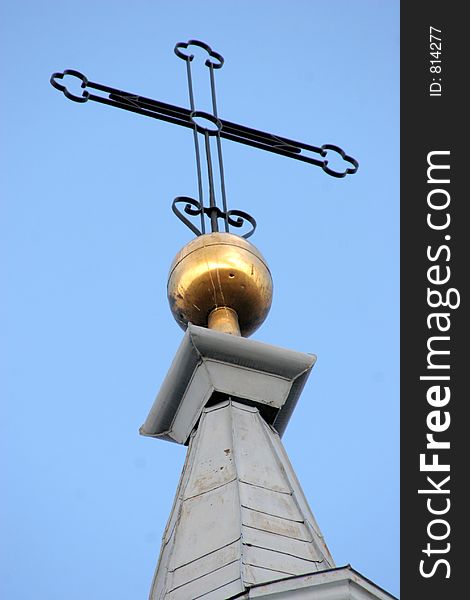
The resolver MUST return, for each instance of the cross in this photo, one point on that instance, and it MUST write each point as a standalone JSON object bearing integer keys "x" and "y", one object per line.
{"x": 218, "y": 129}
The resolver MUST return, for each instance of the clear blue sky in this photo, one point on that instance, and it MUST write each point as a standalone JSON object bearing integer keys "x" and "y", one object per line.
{"x": 87, "y": 238}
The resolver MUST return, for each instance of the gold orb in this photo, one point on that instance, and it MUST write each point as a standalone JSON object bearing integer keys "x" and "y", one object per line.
{"x": 216, "y": 271}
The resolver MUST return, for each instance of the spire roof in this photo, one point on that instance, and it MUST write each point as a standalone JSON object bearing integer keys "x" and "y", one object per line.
{"x": 239, "y": 518}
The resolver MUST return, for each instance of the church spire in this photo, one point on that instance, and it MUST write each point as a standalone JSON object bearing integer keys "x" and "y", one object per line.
{"x": 240, "y": 526}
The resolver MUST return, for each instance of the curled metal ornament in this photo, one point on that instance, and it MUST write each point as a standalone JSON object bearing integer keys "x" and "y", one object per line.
{"x": 192, "y": 208}
{"x": 217, "y": 123}
{"x": 239, "y": 221}
{"x": 180, "y": 46}
{"x": 62, "y": 88}
{"x": 344, "y": 156}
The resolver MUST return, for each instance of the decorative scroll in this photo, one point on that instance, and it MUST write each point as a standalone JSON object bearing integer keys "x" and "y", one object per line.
{"x": 193, "y": 208}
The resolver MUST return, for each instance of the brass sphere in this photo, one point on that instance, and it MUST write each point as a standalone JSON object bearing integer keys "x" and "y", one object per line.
{"x": 218, "y": 270}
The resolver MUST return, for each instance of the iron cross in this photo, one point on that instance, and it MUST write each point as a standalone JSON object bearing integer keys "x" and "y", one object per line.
{"x": 214, "y": 128}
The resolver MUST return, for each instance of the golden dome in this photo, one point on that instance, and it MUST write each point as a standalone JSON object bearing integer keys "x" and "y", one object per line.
{"x": 216, "y": 278}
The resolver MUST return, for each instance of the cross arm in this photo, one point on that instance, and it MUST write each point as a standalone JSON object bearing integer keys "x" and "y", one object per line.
{"x": 183, "y": 117}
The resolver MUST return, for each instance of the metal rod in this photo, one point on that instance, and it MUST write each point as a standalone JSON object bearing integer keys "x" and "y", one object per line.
{"x": 219, "y": 149}
{"x": 196, "y": 145}
{"x": 213, "y": 213}
{"x": 190, "y": 85}
{"x": 222, "y": 182}
{"x": 214, "y": 102}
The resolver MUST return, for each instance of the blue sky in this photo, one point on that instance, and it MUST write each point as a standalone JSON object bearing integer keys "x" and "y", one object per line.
{"x": 87, "y": 237}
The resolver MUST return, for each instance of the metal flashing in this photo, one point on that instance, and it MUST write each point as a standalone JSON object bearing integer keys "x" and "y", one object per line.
{"x": 339, "y": 583}
{"x": 209, "y": 362}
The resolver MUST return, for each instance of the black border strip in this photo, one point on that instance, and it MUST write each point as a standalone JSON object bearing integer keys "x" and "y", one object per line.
{"x": 433, "y": 124}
